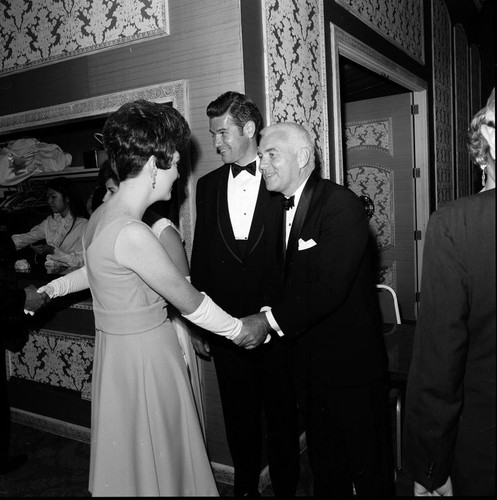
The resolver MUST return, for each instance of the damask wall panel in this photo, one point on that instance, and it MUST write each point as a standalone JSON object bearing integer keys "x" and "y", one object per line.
{"x": 442, "y": 102}
{"x": 56, "y": 359}
{"x": 374, "y": 134}
{"x": 376, "y": 183}
{"x": 400, "y": 22}
{"x": 38, "y": 32}
{"x": 462, "y": 118}
{"x": 295, "y": 72}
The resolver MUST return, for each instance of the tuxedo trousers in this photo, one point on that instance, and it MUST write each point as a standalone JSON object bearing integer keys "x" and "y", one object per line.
{"x": 348, "y": 437}
{"x": 254, "y": 385}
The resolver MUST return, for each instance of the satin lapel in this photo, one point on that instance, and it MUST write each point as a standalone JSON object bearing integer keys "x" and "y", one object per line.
{"x": 223, "y": 215}
{"x": 257, "y": 226}
{"x": 298, "y": 221}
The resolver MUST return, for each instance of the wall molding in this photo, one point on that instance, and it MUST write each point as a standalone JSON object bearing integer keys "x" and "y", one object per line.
{"x": 173, "y": 92}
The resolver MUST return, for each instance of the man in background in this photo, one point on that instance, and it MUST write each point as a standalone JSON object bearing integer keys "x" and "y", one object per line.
{"x": 14, "y": 329}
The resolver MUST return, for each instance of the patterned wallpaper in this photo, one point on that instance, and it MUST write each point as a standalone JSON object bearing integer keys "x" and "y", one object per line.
{"x": 37, "y": 32}
{"x": 442, "y": 102}
{"x": 376, "y": 183}
{"x": 400, "y": 22}
{"x": 376, "y": 134}
{"x": 461, "y": 111}
{"x": 57, "y": 359}
{"x": 294, "y": 52}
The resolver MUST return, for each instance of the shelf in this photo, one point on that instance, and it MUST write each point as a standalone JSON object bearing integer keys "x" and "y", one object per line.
{"x": 76, "y": 172}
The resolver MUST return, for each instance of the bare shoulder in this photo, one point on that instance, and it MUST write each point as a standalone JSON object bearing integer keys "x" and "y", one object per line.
{"x": 135, "y": 233}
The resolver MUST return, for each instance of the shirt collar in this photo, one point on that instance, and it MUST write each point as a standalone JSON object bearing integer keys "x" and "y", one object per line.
{"x": 298, "y": 193}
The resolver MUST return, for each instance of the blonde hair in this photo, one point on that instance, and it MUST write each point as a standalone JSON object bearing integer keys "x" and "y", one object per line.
{"x": 478, "y": 147}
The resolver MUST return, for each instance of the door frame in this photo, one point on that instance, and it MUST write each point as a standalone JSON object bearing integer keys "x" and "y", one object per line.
{"x": 346, "y": 45}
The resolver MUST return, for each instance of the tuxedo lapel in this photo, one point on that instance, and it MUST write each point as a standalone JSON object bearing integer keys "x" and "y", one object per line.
{"x": 223, "y": 215}
{"x": 298, "y": 221}
{"x": 257, "y": 226}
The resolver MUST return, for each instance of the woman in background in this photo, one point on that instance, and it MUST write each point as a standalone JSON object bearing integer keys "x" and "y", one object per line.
{"x": 449, "y": 423}
{"x": 62, "y": 230}
{"x": 479, "y": 150}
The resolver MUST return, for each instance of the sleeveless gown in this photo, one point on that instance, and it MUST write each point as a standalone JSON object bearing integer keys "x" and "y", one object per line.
{"x": 146, "y": 438}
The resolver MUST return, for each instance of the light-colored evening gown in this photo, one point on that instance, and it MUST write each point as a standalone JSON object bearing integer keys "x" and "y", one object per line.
{"x": 146, "y": 438}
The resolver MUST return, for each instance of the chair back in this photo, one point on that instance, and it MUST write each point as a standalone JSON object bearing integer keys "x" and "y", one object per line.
{"x": 389, "y": 305}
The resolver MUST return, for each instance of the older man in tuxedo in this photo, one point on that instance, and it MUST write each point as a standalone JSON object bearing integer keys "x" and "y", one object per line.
{"x": 321, "y": 292}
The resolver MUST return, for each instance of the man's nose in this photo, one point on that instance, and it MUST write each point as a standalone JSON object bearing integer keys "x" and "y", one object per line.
{"x": 217, "y": 141}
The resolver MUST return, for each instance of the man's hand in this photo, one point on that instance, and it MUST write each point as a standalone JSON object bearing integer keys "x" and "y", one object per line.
{"x": 200, "y": 345}
{"x": 254, "y": 331}
{"x": 34, "y": 300}
{"x": 443, "y": 491}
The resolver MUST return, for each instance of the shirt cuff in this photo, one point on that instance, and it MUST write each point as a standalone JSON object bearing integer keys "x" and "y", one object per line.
{"x": 272, "y": 322}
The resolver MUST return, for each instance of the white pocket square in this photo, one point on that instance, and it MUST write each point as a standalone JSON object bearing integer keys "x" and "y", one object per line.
{"x": 304, "y": 245}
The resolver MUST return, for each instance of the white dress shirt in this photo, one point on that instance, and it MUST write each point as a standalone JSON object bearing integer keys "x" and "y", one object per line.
{"x": 242, "y": 198}
{"x": 290, "y": 216}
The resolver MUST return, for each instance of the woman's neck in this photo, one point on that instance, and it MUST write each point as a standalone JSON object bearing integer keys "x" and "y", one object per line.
{"x": 130, "y": 199}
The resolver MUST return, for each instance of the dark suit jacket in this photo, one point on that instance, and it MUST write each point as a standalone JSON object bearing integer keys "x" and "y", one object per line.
{"x": 14, "y": 324}
{"x": 232, "y": 280}
{"x": 326, "y": 300}
{"x": 450, "y": 404}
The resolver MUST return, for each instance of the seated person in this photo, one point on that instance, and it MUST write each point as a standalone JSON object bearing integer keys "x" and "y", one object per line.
{"x": 61, "y": 230}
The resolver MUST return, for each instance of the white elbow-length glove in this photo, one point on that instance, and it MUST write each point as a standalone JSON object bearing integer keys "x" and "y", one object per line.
{"x": 210, "y": 316}
{"x": 70, "y": 283}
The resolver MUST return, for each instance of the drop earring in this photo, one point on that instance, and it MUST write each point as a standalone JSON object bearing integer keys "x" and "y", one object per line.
{"x": 154, "y": 177}
{"x": 483, "y": 176}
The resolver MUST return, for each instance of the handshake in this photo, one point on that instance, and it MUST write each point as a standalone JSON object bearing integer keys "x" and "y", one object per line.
{"x": 34, "y": 300}
{"x": 255, "y": 331}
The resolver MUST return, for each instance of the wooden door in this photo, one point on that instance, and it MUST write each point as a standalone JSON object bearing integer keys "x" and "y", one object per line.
{"x": 379, "y": 164}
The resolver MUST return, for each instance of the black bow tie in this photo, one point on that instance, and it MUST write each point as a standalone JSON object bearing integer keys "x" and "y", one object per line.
{"x": 236, "y": 169}
{"x": 288, "y": 202}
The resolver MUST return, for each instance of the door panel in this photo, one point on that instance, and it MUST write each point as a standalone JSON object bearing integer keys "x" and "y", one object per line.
{"x": 379, "y": 164}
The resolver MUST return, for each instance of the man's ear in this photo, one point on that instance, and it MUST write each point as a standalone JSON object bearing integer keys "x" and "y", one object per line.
{"x": 303, "y": 156}
{"x": 249, "y": 129}
{"x": 488, "y": 134}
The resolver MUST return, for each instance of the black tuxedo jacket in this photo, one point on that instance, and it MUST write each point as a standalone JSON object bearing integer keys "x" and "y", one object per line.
{"x": 323, "y": 294}
{"x": 232, "y": 280}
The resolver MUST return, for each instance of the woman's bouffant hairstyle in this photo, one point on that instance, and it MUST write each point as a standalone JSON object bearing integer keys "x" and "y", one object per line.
{"x": 105, "y": 173}
{"x": 478, "y": 147}
{"x": 66, "y": 188}
{"x": 240, "y": 107}
{"x": 141, "y": 129}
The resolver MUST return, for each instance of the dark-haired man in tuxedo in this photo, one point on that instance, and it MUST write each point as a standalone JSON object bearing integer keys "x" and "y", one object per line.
{"x": 227, "y": 263}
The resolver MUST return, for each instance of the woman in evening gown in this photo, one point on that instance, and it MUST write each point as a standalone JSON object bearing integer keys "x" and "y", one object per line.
{"x": 146, "y": 435}
{"x": 170, "y": 238}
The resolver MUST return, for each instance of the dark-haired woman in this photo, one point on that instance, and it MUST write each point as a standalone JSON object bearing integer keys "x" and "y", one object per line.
{"x": 146, "y": 434}
{"x": 62, "y": 230}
